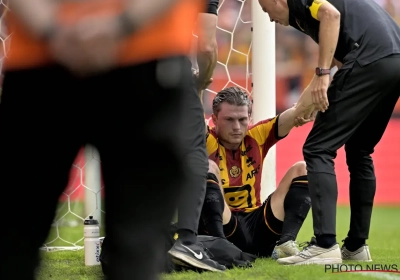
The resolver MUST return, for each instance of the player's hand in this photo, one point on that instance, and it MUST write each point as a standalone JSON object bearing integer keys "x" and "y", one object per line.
{"x": 304, "y": 108}
{"x": 319, "y": 88}
{"x": 300, "y": 121}
{"x": 88, "y": 47}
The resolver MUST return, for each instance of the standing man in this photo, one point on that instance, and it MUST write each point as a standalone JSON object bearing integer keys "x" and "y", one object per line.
{"x": 362, "y": 39}
{"x": 186, "y": 248}
{"x": 96, "y": 61}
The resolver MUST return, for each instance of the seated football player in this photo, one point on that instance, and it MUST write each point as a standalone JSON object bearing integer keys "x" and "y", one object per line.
{"x": 232, "y": 208}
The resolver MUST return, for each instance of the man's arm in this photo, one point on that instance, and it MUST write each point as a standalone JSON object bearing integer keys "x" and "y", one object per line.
{"x": 207, "y": 49}
{"x": 329, "y": 18}
{"x": 289, "y": 119}
{"x": 329, "y": 28}
{"x": 286, "y": 121}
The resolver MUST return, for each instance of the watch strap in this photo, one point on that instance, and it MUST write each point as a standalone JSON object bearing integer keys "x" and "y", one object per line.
{"x": 319, "y": 71}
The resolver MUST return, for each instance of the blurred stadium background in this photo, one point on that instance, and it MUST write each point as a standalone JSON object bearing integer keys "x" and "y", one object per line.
{"x": 296, "y": 57}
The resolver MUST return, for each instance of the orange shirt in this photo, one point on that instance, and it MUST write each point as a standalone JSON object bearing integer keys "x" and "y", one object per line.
{"x": 169, "y": 35}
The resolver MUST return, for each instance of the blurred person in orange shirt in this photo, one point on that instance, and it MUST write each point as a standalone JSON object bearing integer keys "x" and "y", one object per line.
{"x": 74, "y": 74}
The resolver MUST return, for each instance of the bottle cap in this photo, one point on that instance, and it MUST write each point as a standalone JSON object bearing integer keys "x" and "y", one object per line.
{"x": 91, "y": 221}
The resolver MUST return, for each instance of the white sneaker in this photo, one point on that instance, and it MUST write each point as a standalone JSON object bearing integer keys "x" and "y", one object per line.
{"x": 287, "y": 249}
{"x": 313, "y": 254}
{"x": 362, "y": 254}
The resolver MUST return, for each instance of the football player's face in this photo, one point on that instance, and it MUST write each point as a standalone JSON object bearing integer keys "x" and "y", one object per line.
{"x": 277, "y": 10}
{"x": 231, "y": 124}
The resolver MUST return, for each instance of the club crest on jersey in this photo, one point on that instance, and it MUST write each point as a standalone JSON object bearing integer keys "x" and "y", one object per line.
{"x": 235, "y": 171}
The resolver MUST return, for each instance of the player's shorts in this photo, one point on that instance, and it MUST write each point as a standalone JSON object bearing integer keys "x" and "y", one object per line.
{"x": 256, "y": 232}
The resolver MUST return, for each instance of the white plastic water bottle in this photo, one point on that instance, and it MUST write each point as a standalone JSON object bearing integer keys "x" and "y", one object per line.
{"x": 91, "y": 233}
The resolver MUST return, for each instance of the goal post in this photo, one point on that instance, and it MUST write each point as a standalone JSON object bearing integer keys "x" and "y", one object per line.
{"x": 263, "y": 81}
{"x": 92, "y": 183}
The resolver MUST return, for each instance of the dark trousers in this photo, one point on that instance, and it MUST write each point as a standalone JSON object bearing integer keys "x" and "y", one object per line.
{"x": 361, "y": 101}
{"x": 132, "y": 116}
{"x": 196, "y": 159}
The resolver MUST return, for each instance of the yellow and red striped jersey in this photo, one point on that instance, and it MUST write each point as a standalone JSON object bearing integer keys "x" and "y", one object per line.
{"x": 240, "y": 169}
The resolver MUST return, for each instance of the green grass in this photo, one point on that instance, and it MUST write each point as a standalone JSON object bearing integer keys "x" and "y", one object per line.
{"x": 384, "y": 246}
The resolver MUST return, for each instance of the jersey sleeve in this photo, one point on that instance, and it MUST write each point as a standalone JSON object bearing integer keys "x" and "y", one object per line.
{"x": 212, "y": 142}
{"x": 265, "y": 133}
{"x": 301, "y": 8}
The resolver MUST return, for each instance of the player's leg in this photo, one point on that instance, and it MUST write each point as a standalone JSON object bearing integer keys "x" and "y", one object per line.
{"x": 193, "y": 193}
{"x": 215, "y": 212}
{"x": 196, "y": 164}
{"x": 353, "y": 94}
{"x": 291, "y": 203}
{"x": 277, "y": 222}
{"x": 217, "y": 218}
{"x": 142, "y": 162}
{"x": 38, "y": 143}
{"x": 362, "y": 176}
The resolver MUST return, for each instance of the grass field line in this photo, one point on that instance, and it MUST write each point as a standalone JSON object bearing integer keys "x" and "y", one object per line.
{"x": 380, "y": 275}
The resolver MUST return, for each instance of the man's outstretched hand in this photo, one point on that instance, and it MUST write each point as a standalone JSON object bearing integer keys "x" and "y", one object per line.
{"x": 306, "y": 110}
{"x": 319, "y": 92}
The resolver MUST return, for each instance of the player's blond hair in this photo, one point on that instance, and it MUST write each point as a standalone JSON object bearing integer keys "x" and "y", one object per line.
{"x": 233, "y": 96}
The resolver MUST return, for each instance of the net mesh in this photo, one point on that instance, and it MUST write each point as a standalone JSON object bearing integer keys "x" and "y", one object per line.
{"x": 234, "y": 38}
{"x": 82, "y": 198}
{"x": 3, "y": 36}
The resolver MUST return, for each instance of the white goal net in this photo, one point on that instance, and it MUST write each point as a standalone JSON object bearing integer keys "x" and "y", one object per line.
{"x": 3, "y": 38}
{"x": 83, "y": 195}
{"x": 234, "y": 38}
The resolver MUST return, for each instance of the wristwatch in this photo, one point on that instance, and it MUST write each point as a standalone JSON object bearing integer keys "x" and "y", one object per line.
{"x": 319, "y": 71}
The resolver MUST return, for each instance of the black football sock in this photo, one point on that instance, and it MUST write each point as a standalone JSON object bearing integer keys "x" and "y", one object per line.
{"x": 187, "y": 236}
{"x": 352, "y": 243}
{"x": 213, "y": 208}
{"x": 362, "y": 192}
{"x": 296, "y": 205}
{"x": 326, "y": 240}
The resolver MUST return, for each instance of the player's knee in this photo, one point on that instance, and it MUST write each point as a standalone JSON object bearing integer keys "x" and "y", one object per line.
{"x": 213, "y": 167}
{"x": 299, "y": 169}
{"x": 356, "y": 156}
{"x": 360, "y": 163}
{"x": 213, "y": 173}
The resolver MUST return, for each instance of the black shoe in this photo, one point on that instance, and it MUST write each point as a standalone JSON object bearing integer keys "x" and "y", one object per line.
{"x": 195, "y": 256}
